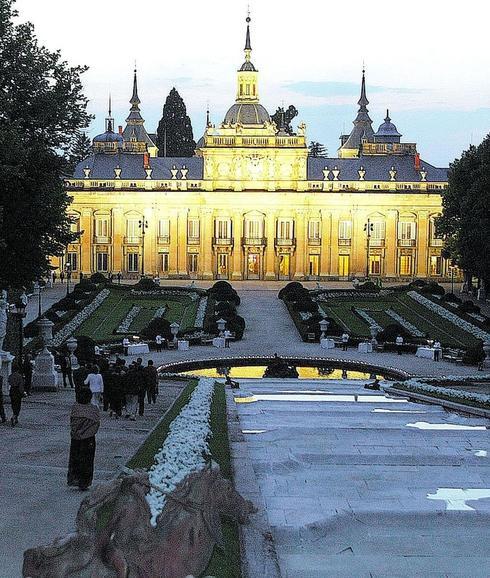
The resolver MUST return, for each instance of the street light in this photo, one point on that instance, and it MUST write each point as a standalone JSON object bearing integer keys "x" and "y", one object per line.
{"x": 143, "y": 225}
{"x": 39, "y": 299}
{"x": 221, "y": 323}
{"x": 18, "y": 310}
{"x": 174, "y": 328}
{"x": 324, "y": 323}
{"x": 368, "y": 227}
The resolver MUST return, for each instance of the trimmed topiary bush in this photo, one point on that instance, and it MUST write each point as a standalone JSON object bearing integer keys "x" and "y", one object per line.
{"x": 432, "y": 288}
{"x": 474, "y": 355}
{"x": 157, "y": 326}
{"x": 85, "y": 285}
{"x": 368, "y": 287}
{"x": 469, "y": 307}
{"x": 391, "y": 332}
{"x": 85, "y": 349}
{"x": 451, "y": 298}
{"x": 98, "y": 278}
{"x": 221, "y": 286}
{"x": 145, "y": 284}
{"x": 289, "y": 288}
{"x": 308, "y": 306}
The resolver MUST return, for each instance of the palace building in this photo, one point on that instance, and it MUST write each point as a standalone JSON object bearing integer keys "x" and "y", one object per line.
{"x": 251, "y": 204}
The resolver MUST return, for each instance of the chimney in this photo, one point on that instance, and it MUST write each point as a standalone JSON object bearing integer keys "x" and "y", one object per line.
{"x": 146, "y": 160}
{"x": 119, "y": 128}
{"x": 417, "y": 161}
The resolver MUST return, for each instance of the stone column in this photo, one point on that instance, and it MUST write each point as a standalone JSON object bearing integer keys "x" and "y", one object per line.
{"x": 270, "y": 254}
{"x": 327, "y": 243}
{"x": 358, "y": 244}
{"x": 299, "y": 273}
{"x": 207, "y": 225}
{"x": 422, "y": 256}
{"x": 118, "y": 232}
{"x": 237, "y": 270}
{"x": 182, "y": 242}
{"x": 174, "y": 243}
{"x": 87, "y": 241}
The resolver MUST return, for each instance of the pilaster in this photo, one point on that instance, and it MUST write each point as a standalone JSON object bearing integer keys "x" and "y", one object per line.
{"x": 270, "y": 255}
{"x": 237, "y": 272}
{"x": 300, "y": 245}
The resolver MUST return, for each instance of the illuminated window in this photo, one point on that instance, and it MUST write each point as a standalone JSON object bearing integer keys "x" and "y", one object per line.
{"x": 314, "y": 229}
{"x": 247, "y": 89}
{"x": 406, "y": 230}
{"x": 193, "y": 228}
{"x": 102, "y": 262}
{"x": 164, "y": 262}
{"x": 344, "y": 265}
{"x": 375, "y": 264}
{"x": 164, "y": 228}
{"x": 133, "y": 262}
{"x": 405, "y": 264}
{"x": 192, "y": 262}
{"x": 345, "y": 229}
{"x": 132, "y": 230}
{"x": 436, "y": 266}
{"x": 313, "y": 265}
{"x": 222, "y": 264}
{"x": 222, "y": 228}
{"x": 72, "y": 261}
{"x": 284, "y": 229}
{"x": 102, "y": 227}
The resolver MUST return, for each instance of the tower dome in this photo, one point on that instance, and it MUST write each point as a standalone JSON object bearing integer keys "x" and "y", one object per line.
{"x": 387, "y": 131}
{"x": 108, "y": 141}
{"x": 247, "y": 113}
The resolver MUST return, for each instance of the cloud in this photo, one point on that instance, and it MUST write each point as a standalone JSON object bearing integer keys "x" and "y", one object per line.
{"x": 332, "y": 88}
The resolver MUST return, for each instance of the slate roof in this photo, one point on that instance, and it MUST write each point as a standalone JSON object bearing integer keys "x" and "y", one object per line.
{"x": 102, "y": 167}
{"x": 377, "y": 169}
{"x": 247, "y": 113}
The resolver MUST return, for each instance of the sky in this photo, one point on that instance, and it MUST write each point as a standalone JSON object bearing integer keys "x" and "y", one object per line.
{"x": 428, "y": 62}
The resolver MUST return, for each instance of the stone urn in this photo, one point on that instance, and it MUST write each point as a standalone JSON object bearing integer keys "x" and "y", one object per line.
{"x": 44, "y": 376}
{"x": 374, "y": 333}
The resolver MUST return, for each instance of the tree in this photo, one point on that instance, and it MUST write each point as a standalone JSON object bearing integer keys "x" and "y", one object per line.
{"x": 465, "y": 221}
{"x": 283, "y": 118}
{"x": 41, "y": 108}
{"x": 80, "y": 150}
{"x": 174, "y": 133}
{"x": 316, "y": 149}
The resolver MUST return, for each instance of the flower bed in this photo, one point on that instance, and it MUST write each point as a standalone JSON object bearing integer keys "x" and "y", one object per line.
{"x": 452, "y": 317}
{"x": 79, "y": 318}
{"x": 130, "y": 317}
{"x": 201, "y": 312}
{"x": 185, "y": 447}
{"x": 367, "y": 318}
{"x": 404, "y": 323}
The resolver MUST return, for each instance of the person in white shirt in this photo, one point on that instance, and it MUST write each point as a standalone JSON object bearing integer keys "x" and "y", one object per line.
{"x": 96, "y": 384}
{"x": 125, "y": 344}
{"x": 158, "y": 342}
{"x": 399, "y": 344}
{"x": 345, "y": 340}
{"x": 437, "y": 351}
{"x": 227, "y": 336}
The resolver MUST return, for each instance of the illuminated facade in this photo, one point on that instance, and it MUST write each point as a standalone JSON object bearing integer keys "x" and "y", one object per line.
{"x": 253, "y": 205}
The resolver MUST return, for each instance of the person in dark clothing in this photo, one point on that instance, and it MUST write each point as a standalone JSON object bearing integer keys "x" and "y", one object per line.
{"x": 151, "y": 381}
{"x": 2, "y": 409}
{"x": 84, "y": 424}
{"x": 79, "y": 376}
{"x": 134, "y": 383}
{"x": 143, "y": 387}
{"x": 116, "y": 398}
{"x": 27, "y": 371}
{"x": 107, "y": 378}
{"x": 16, "y": 392}
{"x": 66, "y": 369}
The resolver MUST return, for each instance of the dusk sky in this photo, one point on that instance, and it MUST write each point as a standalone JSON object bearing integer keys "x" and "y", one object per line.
{"x": 428, "y": 62}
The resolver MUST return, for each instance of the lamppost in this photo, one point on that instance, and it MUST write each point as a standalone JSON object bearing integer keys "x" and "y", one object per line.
{"x": 221, "y": 323}
{"x": 68, "y": 277}
{"x": 18, "y": 310}
{"x": 368, "y": 227}
{"x": 39, "y": 299}
{"x": 324, "y": 323}
{"x": 174, "y": 328}
{"x": 143, "y": 225}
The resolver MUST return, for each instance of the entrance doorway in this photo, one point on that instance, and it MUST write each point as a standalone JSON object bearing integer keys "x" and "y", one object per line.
{"x": 284, "y": 266}
{"x": 253, "y": 266}
{"x": 344, "y": 265}
{"x": 313, "y": 266}
{"x": 222, "y": 271}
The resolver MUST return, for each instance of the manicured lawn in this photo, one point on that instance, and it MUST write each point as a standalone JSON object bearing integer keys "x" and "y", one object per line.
{"x": 114, "y": 309}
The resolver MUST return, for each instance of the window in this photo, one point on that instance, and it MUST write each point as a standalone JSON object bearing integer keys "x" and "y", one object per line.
{"x": 193, "y": 229}
{"x": 223, "y": 264}
{"x": 377, "y": 229}
{"x": 247, "y": 89}
{"x": 164, "y": 262}
{"x": 132, "y": 230}
{"x": 133, "y": 262}
{"x": 284, "y": 229}
{"x": 102, "y": 260}
{"x": 72, "y": 261}
{"x": 344, "y": 265}
{"x": 405, "y": 265}
{"x": 406, "y": 230}
{"x": 314, "y": 229}
{"x": 74, "y": 224}
{"x": 435, "y": 239}
{"x": 192, "y": 262}
{"x": 164, "y": 228}
{"x": 313, "y": 265}
{"x": 436, "y": 266}
{"x": 375, "y": 264}
{"x": 222, "y": 228}
{"x": 345, "y": 229}
{"x": 102, "y": 227}
{"x": 253, "y": 228}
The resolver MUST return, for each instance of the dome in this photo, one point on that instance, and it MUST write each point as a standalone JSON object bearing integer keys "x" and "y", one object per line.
{"x": 247, "y": 113}
{"x": 109, "y": 136}
{"x": 387, "y": 128}
{"x": 200, "y": 143}
{"x": 248, "y": 67}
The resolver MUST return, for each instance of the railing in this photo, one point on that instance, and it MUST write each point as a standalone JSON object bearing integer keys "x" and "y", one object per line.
{"x": 132, "y": 240}
{"x": 228, "y": 241}
{"x": 344, "y": 242}
{"x": 436, "y": 242}
{"x": 376, "y": 242}
{"x": 406, "y": 242}
{"x": 254, "y": 241}
{"x": 99, "y": 240}
{"x": 163, "y": 239}
{"x": 193, "y": 240}
{"x": 281, "y": 242}
{"x": 314, "y": 241}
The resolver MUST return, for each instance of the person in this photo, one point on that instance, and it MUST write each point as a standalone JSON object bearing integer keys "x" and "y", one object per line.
{"x": 132, "y": 383}
{"x": 116, "y": 397}
{"x": 151, "y": 382}
{"x": 96, "y": 384}
{"x": 2, "y": 409}
{"x": 62, "y": 276}
{"x": 16, "y": 393}
{"x": 110, "y": 277}
{"x": 80, "y": 375}
{"x": 84, "y": 424}
{"x": 27, "y": 371}
{"x": 125, "y": 344}
{"x": 158, "y": 343}
{"x": 230, "y": 382}
{"x": 227, "y": 336}
{"x": 345, "y": 340}
{"x": 437, "y": 350}
{"x": 119, "y": 277}
{"x": 399, "y": 344}
{"x": 141, "y": 378}
{"x": 96, "y": 350}
{"x": 374, "y": 385}
{"x": 53, "y": 277}
{"x": 66, "y": 368}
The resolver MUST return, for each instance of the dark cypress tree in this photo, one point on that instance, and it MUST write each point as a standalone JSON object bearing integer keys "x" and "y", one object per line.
{"x": 80, "y": 150}
{"x": 316, "y": 149}
{"x": 174, "y": 133}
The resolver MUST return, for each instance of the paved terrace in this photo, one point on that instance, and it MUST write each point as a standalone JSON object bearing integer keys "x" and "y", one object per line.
{"x": 346, "y": 483}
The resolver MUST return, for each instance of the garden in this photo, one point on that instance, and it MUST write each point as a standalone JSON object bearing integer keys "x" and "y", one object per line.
{"x": 419, "y": 312}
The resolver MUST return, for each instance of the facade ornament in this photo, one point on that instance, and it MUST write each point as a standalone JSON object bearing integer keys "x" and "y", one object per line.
{"x": 301, "y": 129}
{"x": 183, "y": 171}
{"x": 335, "y": 173}
{"x": 361, "y": 172}
{"x": 423, "y": 175}
{"x": 326, "y": 173}
{"x": 392, "y": 173}
{"x": 174, "y": 170}
{"x": 86, "y": 172}
{"x": 117, "y": 172}
{"x": 148, "y": 172}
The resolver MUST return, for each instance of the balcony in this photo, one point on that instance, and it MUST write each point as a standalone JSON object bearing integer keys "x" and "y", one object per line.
{"x": 254, "y": 241}
{"x": 344, "y": 242}
{"x": 193, "y": 240}
{"x": 282, "y": 242}
{"x": 131, "y": 240}
{"x": 406, "y": 242}
{"x": 100, "y": 240}
{"x": 163, "y": 239}
{"x": 223, "y": 241}
{"x": 376, "y": 242}
{"x": 315, "y": 241}
{"x": 436, "y": 242}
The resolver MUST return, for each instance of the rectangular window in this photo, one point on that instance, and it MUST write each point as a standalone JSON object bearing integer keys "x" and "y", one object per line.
{"x": 133, "y": 262}
{"x": 74, "y": 225}
{"x": 405, "y": 265}
{"x": 344, "y": 265}
{"x": 406, "y": 230}
{"x": 222, "y": 228}
{"x": 164, "y": 228}
{"x": 72, "y": 261}
{"x": 253, "y": 229}
{"x": 345, "y": 229}
{"x": 223, "y": 265}
{"x": 436, "y": 266}
{"x": 313, "y": 265}
{"x": 102, "y": 227}
{"x": 378, "y": 230}
{"x": 375, "y": 264}
{"x": 314, "y": 229}
{"x": 284, "y": 229}
{"x": 192, "y": 262}
{"x": 164, "y": 262}
{"x": 132, "y": 230}
{"x": 193, "y": 229}
{"x": 102, "y": 261}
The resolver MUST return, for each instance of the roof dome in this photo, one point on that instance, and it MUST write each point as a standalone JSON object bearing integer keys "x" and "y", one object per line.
{"x": 387, "y": 128}
{"x": 109, "y": 136}
{"x": 247, "y": 113}
{"x": 248, "y": 67}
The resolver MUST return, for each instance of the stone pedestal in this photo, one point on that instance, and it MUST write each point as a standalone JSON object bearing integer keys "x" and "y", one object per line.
{"x": 5, "y": 367}
{"x": 44, "y": 376}
{"x": 486, "y": 361}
